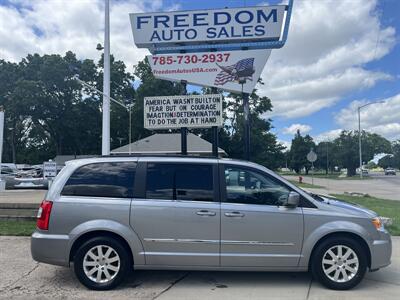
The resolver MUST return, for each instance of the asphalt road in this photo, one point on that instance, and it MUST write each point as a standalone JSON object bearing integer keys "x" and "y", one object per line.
{"x": 395, "y": 179}
{"x": 23, "y": 278}
{"x": 381, "y": 186}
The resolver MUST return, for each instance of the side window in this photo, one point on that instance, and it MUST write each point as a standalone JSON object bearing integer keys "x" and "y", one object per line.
{"x": 159, "y": 181}
{"x": 114, "y": 179}
{"x": 192, "y": 182}
{"x": 252, "y": 187}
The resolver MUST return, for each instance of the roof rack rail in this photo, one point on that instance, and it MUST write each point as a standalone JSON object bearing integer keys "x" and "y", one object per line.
{"x": 158, "y": 155}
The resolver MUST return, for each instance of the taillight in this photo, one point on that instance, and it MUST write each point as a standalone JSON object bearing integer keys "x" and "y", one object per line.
{"x": 43, "y": 215}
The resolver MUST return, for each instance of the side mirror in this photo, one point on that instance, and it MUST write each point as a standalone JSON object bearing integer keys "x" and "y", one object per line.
{"x": 293, "y": 200}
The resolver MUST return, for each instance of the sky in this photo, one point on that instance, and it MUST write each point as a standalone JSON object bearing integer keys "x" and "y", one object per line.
{"x": 340, "y": 54}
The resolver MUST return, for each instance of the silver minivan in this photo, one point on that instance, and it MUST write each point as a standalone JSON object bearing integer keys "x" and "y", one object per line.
{"x": 111, "y": 215}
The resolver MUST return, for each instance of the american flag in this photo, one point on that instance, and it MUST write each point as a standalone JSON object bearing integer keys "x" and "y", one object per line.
{"x": 229, "y": 73}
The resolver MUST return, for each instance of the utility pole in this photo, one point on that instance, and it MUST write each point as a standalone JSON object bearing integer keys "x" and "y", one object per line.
{"x": 359, "y": 132}
{"x": 2, "y": 182}
{"x": 359, "y": 141}
{"x": 105, "y": 144}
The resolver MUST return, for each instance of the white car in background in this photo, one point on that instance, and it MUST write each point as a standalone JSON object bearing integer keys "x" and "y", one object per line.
{"x": 28, "y": 177}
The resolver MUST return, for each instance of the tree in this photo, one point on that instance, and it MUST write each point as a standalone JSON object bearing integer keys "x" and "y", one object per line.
{"x": 299, "y": 149}
{"x": 150, "y": 86}
{"x": 387, "y": 161}
{"x": 347, "y": 148}
{"x": 396, "y": 153}
{"x": 50, "y": 113}
{"x": 264, "y": 148}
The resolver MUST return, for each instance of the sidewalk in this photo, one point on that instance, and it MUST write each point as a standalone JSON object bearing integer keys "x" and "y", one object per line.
{"x": 22, "y": 196}
{"x": 27, "y": 279}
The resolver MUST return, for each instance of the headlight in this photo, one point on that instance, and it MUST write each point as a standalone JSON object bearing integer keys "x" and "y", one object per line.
{"x": 377, "y": 223}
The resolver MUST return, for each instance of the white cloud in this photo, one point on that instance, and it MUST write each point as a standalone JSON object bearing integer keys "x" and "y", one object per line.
{"x": 286, "y": 144}
{"x": 381, "y": 118}
{"x": 58, "y": 26}
{"x": 292, "y": 129}
{"x": 327, "y": 135}
{"x": 324, "y": 59}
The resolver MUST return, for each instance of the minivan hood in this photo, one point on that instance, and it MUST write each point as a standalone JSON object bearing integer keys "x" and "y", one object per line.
{"x": 352, "y": 208}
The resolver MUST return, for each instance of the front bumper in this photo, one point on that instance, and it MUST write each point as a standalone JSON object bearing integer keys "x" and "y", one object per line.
{"x": 381, "y": 251}
{"x": 50, "y": 248}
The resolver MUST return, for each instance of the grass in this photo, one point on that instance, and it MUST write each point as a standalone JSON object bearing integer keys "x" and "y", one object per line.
{"x": 306, "y": 185}
{"x": 384, "y": 208}
{"x": 20, "y": 228}
{"x": 320, "y": 174}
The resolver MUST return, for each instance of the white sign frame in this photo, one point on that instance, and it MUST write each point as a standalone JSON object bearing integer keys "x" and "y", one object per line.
{"x": 219, "y": 26}
{"x": 191, "y": 111}
{"x": 226, "y": 70}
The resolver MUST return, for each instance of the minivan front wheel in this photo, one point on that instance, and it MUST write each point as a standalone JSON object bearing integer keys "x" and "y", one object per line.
{"x": 101, "y": 263}
{"x": 339, "y": 263}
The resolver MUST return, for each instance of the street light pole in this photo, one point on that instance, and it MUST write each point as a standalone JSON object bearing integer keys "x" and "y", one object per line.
{"x": 359, "y": 131}
{"x": 359, "y": 141}
{"x": 105, "y": 144}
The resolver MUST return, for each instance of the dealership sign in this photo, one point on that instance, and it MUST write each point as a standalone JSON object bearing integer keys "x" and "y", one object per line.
{"x": 230, "y": 25}
{"x": 192, "y": 111}
{"x": 228, "y": 70}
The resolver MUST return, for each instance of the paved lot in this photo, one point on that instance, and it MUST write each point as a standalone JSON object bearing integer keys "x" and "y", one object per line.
{"x": 22, "y": 278}
{"x": 381, "y": 186}
{"x": 22, "y": 196}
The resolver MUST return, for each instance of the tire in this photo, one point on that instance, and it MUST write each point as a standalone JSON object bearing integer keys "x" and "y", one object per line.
{"x": 113, "y": 266}
{"x": 329, "y": 270}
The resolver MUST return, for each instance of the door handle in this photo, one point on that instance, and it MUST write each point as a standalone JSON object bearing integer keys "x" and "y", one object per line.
{"x": 234, "y": 214}
{"x": 206, "y": 213}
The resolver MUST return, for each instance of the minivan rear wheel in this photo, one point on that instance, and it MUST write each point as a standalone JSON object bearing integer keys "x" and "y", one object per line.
{"x": 339, "y": 263}
{"x": 101, "y": 263}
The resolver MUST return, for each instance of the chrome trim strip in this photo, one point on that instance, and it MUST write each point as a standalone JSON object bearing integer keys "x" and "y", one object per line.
{"x": 259, "y": 255}
{"x": 256, "y": 243}
{"x": 191, "y": 241}
{"x": 180, "y": 254}
{"x": 224, "y": 242}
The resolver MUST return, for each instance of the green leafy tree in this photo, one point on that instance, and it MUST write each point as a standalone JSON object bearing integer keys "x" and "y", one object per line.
{"x": 49, "y": 113}
{"x": 387, "y": 161}
{"x": 299, "y": 149}
{"x": 396, "y": 154}
{"x": 347, "y": 148}
{"x": 264, "y": 148}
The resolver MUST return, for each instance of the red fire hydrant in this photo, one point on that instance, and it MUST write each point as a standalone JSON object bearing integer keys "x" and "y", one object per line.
{"x": 300, "y": 179}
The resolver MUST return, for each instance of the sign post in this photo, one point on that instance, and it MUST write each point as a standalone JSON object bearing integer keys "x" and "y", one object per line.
{"x": 184, "y": 130}
{"x": 312, "y": 157}
{"x": 50, "y": 171}
{"x": 2, "y": 182}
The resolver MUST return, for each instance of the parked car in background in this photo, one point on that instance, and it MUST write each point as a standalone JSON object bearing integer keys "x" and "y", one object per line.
{"x": 110, "y": 215}
{"x": 390, "y": 171}
{"x": 26, "y": 177}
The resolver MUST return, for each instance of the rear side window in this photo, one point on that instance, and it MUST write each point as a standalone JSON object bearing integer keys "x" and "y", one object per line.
{"x": 192, "y": 182}
{"x": 113, "y": 179}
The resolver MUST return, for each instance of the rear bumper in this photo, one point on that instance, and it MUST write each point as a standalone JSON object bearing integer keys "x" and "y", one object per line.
{"x": 50, "y": 248}
{"x": 381, "y": 251}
